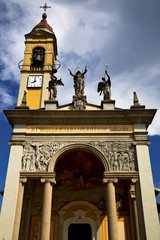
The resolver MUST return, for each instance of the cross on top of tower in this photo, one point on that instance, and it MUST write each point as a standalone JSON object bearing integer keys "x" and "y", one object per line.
{"x": 45, "y": 7}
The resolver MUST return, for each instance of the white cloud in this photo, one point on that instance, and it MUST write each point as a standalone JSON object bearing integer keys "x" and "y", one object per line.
{"x": 6, "y": 99}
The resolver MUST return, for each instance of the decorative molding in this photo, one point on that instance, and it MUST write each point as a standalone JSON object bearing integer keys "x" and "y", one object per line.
{"x": 74, "y": 146}
{"x": 79, "y": 218}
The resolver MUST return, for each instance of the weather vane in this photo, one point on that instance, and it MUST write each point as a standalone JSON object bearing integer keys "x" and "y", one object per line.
{"x": 45, "y": 7}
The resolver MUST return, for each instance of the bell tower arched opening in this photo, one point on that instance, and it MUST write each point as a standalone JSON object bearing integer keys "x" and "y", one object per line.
{"x": 37, "y": 59}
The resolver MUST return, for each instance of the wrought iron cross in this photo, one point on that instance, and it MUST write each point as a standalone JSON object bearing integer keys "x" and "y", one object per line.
{"x": 45, "y": 7}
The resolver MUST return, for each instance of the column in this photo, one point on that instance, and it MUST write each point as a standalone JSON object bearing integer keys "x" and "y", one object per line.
{"x": 46, "y": 209}
{"x": 17, "y": 220}
{"x": 133, "y": 204}
{"x": 148, "y": 199}
{"x": 111, "y": 208}
{"x": 10, "y": 192}
{"x": 147, "y": 195}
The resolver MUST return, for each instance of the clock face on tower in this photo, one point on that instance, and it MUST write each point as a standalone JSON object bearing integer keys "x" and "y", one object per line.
{"x": 34, "y": 82}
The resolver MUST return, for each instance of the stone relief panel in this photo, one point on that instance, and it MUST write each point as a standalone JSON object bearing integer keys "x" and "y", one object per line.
{"x": 37, "y": 155}
{"x": 120, "y": 155}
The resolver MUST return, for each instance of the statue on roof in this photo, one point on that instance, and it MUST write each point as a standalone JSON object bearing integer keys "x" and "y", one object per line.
{"x": 52, "y": 87}
{"x": 105, "y": 86}
{"x": 78, "y": 81}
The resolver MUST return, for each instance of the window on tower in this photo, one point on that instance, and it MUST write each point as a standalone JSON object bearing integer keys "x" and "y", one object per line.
{"x": 37, "y": 59}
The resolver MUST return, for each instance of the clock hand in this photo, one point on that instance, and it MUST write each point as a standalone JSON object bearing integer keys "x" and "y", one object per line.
{"x": 34, "y": 80}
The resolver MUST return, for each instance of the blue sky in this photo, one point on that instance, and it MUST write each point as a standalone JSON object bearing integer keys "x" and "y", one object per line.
{"x": 122, "y": 33}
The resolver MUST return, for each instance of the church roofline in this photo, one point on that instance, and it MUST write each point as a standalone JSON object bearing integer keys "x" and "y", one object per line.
{"x": 82, "y": 117}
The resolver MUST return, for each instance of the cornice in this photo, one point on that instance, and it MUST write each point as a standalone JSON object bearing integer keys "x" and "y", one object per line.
{"x": 83, "y": 117}
{"x": 121, "y": 175}
{"x": 37, "y": 175}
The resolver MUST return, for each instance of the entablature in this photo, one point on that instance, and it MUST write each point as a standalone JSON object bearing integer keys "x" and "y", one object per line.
{"x": 80, "y": 117}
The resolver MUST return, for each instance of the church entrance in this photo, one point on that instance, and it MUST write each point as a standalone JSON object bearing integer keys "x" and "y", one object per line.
{"x": 79, "y": 232}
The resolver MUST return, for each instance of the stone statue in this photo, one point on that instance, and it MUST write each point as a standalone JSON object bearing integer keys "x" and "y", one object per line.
{"x": 105, "y": 86}
{"x": 78, "y": 81}
{"x": 52, "y": 88}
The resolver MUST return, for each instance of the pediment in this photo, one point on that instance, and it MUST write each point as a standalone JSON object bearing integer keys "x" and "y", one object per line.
{"x": 88, "y": 107}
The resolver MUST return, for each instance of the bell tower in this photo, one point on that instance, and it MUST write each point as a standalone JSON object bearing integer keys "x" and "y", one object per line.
{"x": 39, "y": 57}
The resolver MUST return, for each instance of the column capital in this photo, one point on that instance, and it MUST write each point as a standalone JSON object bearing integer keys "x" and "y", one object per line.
{"x": 22, "y": 180}
{"x": 48, "y": 180}
{"x": 134, "y": 180}
{"x": 108, "y": 180}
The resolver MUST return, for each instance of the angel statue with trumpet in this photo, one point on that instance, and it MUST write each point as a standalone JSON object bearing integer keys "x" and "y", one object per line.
{"x": 105, "y": 86}
{"x": 52, "y": 86}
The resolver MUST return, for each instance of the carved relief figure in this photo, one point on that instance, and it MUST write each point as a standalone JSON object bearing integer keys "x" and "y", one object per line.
{"x": 78, "y": 81}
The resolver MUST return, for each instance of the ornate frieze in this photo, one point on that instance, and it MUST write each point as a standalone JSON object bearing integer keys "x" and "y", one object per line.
{"x": 37, "y": 155}
{"x": 119, "y": 155}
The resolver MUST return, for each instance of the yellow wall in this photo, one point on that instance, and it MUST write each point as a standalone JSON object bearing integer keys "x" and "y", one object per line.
{"x": 123, "y": 228}
{"x": 33, "y": 98}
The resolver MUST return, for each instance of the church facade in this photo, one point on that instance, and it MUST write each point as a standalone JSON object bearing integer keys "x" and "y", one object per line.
{"x": 78, "y": 171}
